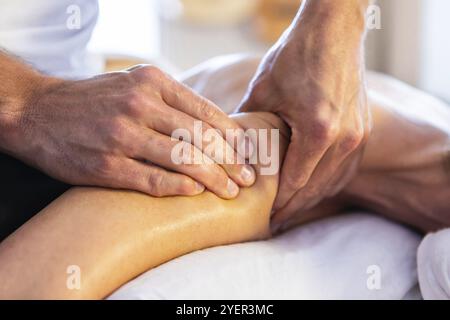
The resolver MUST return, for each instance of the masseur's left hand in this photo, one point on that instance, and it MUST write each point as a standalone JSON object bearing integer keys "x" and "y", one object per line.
{"x": 313, "y": 78}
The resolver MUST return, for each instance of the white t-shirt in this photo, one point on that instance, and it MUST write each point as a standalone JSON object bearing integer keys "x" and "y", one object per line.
{"x": 51, "y": 35}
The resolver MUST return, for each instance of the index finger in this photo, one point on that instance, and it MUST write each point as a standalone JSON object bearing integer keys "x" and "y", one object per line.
{"x": 181, "y": 97}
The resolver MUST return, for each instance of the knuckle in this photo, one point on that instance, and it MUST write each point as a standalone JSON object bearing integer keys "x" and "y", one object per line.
{"x": 186, "y": 187}
{"x": 213, "y": 173}
{"x": 156, "y": 184}
{"x": 208, "y": 112}
{"x": 192, "y": 155}
{"x": 103, "y": 167}
{"x": 295, "y": 183}
{"x": 323, "y": 131}
{"x": 132, "y": 147}
{"x": 133, "y": 104}
{"x": 150, "y": 72}
{"x": 156, "y": 142}
{"x": 351, "y": 141}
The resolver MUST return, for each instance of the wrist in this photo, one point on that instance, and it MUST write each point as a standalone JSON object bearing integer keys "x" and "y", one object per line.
{"x": 341, "y": 13}
{"x": 331, "y": 22}
{"x": 16, "y": 108}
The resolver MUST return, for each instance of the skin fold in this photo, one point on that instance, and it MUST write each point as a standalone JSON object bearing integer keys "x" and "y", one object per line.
{"x": 113, "y": 236}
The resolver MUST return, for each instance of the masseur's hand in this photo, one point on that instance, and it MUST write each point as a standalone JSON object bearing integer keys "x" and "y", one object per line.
{"x": 313, "y": 78}
{"x": 114, "y": 130}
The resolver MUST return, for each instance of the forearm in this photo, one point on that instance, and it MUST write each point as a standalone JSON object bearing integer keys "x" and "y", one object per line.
{"x": 330, "y": 23}
{"x": 405, "y": 172}
{"x": 348, "y": 14}
{"x": 19, "y": 85}
{"x": 16, "y": 79}
{"x": 329, "y": 37}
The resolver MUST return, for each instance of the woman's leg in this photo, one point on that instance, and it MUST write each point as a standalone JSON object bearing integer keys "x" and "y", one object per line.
{"x": 113, "y": 236}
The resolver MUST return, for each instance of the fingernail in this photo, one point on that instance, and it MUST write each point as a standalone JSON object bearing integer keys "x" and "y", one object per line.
{"x": 248, "y": 174}
{"x": 232, "y": 188}
{"x": 199, "y": 187}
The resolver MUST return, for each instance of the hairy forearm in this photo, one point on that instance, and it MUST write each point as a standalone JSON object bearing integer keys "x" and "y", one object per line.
{"x": 19, "y": 85}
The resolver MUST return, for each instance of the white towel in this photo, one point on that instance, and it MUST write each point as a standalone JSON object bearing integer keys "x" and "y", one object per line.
{"x": 433, "y": 261}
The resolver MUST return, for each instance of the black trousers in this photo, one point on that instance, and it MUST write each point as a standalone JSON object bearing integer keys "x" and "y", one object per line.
{"x": 24, "y": 191}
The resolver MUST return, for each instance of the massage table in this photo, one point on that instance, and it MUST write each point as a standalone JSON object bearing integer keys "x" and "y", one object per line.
{"x": 352, "y": 256}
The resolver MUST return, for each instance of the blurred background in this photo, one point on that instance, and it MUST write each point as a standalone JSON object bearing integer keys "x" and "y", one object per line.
{"x": 412, "y": 43}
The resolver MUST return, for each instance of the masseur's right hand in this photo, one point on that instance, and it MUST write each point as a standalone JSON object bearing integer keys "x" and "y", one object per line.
{"x": 114, "y": 130}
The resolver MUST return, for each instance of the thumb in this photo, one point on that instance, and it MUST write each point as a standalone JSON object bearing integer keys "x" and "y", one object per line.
{"x": 246, "y": 103}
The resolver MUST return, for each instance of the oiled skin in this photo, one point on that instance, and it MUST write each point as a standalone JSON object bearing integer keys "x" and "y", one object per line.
{"x": 114, "y": 236}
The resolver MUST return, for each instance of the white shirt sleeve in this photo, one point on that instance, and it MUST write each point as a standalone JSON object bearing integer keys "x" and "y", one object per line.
{"x": 51, "y": 35}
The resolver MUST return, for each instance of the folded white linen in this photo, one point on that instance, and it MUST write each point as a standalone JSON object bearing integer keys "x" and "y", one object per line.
{"x": 433, "y": 260}
{"x": 353, "y": 256}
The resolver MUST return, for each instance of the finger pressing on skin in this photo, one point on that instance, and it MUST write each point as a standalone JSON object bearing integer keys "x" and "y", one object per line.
{"x": 182, "y": 98}
{"x": 316, "y": 188}
{"x": 334, "y": 169}
{"x": 301, "y": 160}
{"x": 177, "y": 124}
{"x": 186, "y": 159}
{"x": 131, "y": 174}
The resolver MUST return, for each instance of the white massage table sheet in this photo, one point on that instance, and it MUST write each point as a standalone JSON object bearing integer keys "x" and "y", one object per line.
{"x": 328, "y": 259}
